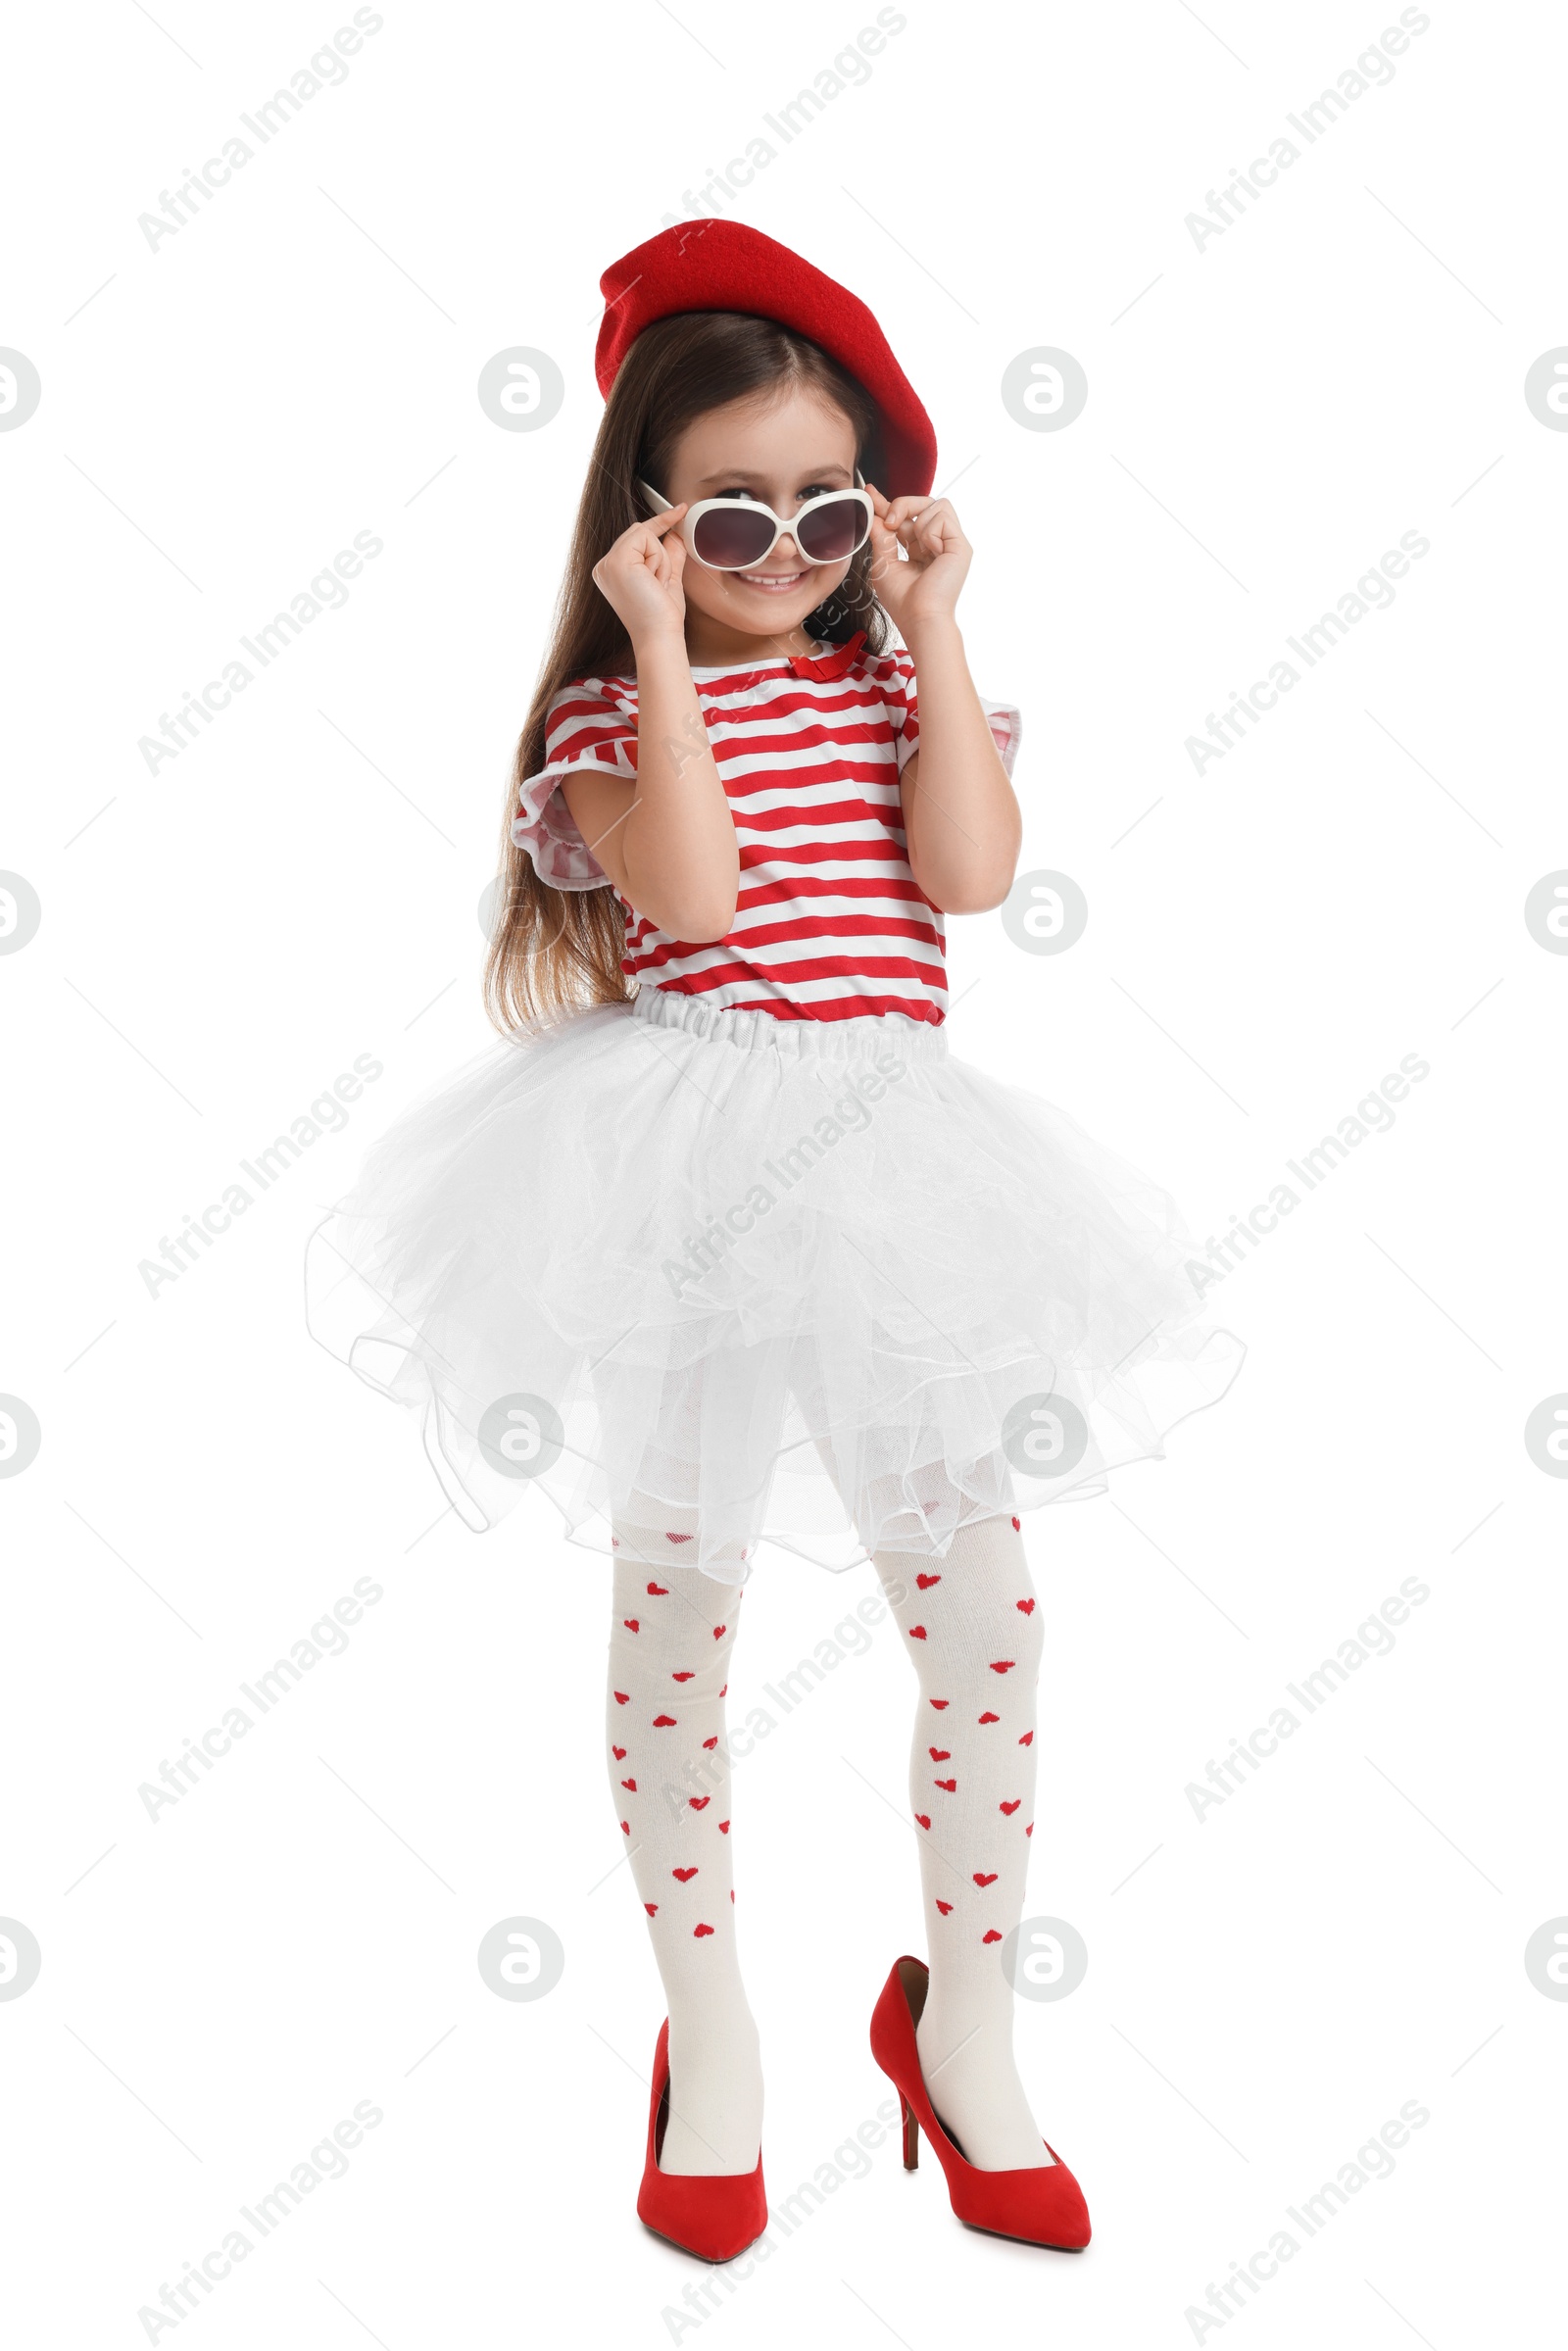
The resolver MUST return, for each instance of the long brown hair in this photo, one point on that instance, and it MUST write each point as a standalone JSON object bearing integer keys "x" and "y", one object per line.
{"x": 553, "y": 950}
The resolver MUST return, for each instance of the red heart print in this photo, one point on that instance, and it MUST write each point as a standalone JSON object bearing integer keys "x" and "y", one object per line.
{"x": 720, "y": 1631}
{"x": 631, "y": 1784}
{"x": 924, "y": 1819}
{"x": 939, "y": 1703}
{"x": 1012, "y": 1808}
{"x": 1003, "y": 1665}
{"x": 659, "y": 1592}
{"x": 918, "y": 1632}
{"x": 723, "y": 1828}
{"x": 631, "y": 1624}
{"x": 732, "y": 1893}
{"x": 623, "y": 1697}
{"x": 990, "y": 1935}
{"x": 620, "y": 1754}
{"x": 696, "y": 1802}
{"x": 1017, "y": 1526}
{"x": 1027, "y": 1737}
{"x": 687, "y": 1676}
{"x": 944, "y": 1907}
{"x": 678, "y": 1539}
{"x": 625, "y": 1828}
{"x": 700, "y": 1929}
{"x": 652, "y": 1908}
{"x": 725, "y": 1693}
{"x": 991, "y": 1718}
{"x": 711, "y": 1742}
{"x": 685, "y": 1876}
{"x": 940, "y": 1754}
{"x": 664, "y": 1722}
{"x": 1027, "y": 1606}
{"x": 1029, "y": 1832}
{"x": 925, "y": 1582}
{"x": 985, "y": 1877}
{"x": 949, "y": 1784}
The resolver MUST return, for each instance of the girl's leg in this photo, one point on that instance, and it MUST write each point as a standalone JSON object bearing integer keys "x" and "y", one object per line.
{"x": 670, "y": 1648}
{"x": 970, "y": 1624}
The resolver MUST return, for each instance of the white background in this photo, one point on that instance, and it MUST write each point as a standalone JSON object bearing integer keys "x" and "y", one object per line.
{"x": 1266, "y": 415}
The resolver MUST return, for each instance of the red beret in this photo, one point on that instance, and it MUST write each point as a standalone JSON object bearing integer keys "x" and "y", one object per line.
{"x": 724, "y": 266}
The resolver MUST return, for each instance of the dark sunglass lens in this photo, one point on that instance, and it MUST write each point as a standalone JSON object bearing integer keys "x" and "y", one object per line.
{"x": 830, "y": 532}
{"x": 729, "y": 537}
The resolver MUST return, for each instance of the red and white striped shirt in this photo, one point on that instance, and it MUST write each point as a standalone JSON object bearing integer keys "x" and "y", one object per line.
{"x": 830, "y": 923}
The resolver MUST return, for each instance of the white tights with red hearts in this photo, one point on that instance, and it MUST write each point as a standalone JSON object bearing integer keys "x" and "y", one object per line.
{"x": 971, "y": 1627}
{"x": 970, "y": 1624}
{"x": 670, "y": 1648}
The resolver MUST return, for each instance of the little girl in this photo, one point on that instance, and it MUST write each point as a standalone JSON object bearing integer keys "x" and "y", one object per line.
{"x": 722, "y": 1246}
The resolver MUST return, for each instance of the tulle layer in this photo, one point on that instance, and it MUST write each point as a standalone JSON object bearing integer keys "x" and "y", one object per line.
{"x": 710, "y": 1278}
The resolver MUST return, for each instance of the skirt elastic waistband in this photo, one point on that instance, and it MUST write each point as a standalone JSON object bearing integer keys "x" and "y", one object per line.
{"x": 868, "y": 1038}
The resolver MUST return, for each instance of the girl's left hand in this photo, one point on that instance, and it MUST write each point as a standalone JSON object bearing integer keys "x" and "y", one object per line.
{"x": 925, "y": 586}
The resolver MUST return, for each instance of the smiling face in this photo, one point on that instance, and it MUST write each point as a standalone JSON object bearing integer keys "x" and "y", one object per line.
{"x": 781, "y": 451}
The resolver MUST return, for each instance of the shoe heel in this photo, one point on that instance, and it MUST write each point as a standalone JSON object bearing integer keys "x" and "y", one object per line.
{"x": 1035, "y": 2204}
{"x": 911, "y": 2135}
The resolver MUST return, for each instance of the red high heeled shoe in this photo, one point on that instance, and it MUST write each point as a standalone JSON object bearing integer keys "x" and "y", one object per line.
{"x": 1044, "y": 2207}
{"x": 713, "y": 2215}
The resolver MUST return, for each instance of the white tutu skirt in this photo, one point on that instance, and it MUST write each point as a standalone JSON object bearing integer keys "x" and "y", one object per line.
{"x": 710, "y": 1279}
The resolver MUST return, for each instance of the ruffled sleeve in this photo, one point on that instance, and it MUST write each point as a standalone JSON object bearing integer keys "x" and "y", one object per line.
{"x": 1003, "y": 718}
{"x": 591, "y": 724}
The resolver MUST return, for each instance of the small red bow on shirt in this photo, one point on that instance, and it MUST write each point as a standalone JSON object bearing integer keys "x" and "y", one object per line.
{"x": 829, "y": 665}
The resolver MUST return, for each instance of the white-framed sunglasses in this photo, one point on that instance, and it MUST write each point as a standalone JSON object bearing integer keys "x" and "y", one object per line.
{"x": 736, "y": 534}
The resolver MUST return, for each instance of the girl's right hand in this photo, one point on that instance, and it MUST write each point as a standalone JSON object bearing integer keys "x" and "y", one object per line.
{"x": 640, "y": 575}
